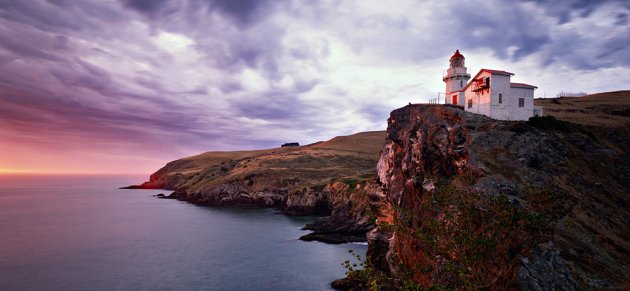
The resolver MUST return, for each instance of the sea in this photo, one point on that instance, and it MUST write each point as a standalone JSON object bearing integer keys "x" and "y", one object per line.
{"x": 83, "y": 233}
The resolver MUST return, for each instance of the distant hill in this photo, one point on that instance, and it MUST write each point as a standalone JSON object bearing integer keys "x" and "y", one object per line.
{"x": 315, "y": 164}
{"x": 609, "y": 110}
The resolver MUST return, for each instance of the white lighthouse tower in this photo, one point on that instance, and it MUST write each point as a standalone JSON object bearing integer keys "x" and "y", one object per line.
{"x": 456, "y": 78}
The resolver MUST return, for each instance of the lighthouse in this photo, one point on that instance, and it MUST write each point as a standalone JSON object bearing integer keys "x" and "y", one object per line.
{"x": 456, "y": 78}
{"x": 490, "y": 92}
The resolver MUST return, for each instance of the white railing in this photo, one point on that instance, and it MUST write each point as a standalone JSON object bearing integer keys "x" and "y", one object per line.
{"x": 445, "y": 72}
{"x": 571, "y": 94}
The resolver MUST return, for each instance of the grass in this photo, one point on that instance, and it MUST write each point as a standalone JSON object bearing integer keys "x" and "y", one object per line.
{"x": 603, "y": 110}
{"x": 316, "y": 164}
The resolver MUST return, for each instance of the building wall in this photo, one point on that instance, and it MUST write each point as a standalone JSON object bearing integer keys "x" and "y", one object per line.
{"x": 480, "y": 100}
{"x": 461, "y": 98}
{"x": 500, "y": 86}
{"x": 486, "y": 102}
{"x": 525, "y": 112}
{"x": 470, "y": 95}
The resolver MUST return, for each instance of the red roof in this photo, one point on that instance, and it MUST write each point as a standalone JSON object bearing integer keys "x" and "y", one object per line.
{"x": 522, "y": 85}
{"x": 457, "y": 55}
{"x": 493, "y": 72}
{"x": 496, "y": 72}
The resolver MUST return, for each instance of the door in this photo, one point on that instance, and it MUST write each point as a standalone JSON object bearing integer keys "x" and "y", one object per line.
{"x": 454, "y": 99}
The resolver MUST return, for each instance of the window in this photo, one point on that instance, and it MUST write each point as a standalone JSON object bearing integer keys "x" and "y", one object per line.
{"x": 521, "y": 102}
{"x": 500, "y": 97}
{"x": 469, "y": 103}
{"x": 461, "y": 83}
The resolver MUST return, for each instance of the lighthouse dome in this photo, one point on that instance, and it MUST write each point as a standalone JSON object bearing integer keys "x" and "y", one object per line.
{"x": 456, "y": 55}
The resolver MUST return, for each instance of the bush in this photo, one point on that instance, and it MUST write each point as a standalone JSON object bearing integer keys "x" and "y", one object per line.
{"x": 477, "y": 237}
{"x": 551, "y": 123}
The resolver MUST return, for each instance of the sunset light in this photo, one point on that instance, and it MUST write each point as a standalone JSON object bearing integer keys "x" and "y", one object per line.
{"x": 314, "y": 145}
{"x": 151, "y": 81}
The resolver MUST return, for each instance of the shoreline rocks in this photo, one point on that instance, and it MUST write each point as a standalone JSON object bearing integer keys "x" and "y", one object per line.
{"x": 324, "y": 178}
{"x": 344, "y": 204}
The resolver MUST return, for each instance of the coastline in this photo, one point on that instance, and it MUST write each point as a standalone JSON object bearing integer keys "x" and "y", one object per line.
{"x": 330, "y": 229}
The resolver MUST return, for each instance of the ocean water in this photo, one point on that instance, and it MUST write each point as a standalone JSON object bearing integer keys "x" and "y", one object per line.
{"x": 82, "y": 233}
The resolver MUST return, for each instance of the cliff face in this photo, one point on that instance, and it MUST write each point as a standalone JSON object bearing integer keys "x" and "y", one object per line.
{"x": 472, "y": 202}
{"x": 351, "y": 201}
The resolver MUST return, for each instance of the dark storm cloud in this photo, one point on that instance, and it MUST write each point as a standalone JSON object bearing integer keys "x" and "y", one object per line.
{"x": 568, "y": 41}
{"x": 622, "y": 19}
{"x": 277, "y": 106}
{"x": 100, "y": 83}
{"x": 66, "y": 119}
{"x": 43, "y": 16}
{"x": 61, "y": 16}
{"x": 231, "y": 44}
{"x": 564, "y": 10}
{"x": 226, "y": 74}
{"x": 242, "y": 12}
{"x": 499, "y": 27}
{"x": 18, "y": 47}
{"x": 146, "y": 6}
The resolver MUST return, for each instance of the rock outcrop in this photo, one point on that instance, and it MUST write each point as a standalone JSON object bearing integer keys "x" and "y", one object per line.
{"x": 471, "y": 202}
{"x": 351, "y": 202}
{"x": 333, "y": 178}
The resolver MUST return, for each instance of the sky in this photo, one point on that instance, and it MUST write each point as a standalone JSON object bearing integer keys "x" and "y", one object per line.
{"x": 109, "y": 86}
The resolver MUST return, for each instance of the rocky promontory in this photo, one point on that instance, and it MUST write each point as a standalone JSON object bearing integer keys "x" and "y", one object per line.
{"x": 335, "y": 178}
{"x": 475, "y": 203}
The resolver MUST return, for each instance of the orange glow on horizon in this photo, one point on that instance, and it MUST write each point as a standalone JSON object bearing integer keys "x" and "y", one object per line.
{"x": 13, "y": 171}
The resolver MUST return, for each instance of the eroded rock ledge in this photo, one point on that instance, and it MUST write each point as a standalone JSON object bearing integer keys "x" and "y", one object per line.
{"x": 472, "y": 202}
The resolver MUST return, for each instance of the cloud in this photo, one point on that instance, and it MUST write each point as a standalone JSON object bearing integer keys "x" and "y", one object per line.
{"x": 243, "y": 11}
{"x": 177, "y": 77}
{"x": 145, "y": 6}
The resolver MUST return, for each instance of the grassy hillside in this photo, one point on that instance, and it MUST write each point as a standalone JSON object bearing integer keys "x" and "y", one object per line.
{"x": 609, "y": 110}
{"x": 311, "y": 165}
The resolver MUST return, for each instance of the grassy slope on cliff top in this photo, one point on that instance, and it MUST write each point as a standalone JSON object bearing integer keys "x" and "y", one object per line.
{"x": 608, "y": 110}
{"x": 344, "y": 156}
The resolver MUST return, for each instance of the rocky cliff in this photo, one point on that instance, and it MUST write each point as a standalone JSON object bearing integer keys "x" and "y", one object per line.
{"x": 470, "y": 202}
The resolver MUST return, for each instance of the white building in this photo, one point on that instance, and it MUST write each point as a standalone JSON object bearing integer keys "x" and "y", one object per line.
{"x": 489, "y": 93}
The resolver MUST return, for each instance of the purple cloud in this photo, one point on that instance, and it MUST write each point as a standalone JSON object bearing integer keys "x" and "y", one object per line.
{"x": 169, "y": 78}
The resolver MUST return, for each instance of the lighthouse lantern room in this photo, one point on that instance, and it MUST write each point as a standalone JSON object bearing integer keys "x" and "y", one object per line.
{"x": 456, "y": 78}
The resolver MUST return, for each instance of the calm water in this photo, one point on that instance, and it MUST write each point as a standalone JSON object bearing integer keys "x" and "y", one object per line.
{"x": 81, "y": 233}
